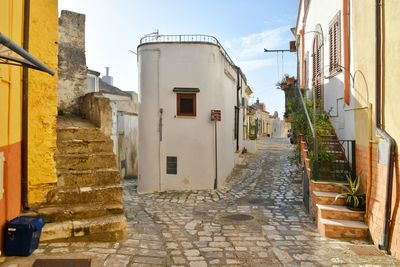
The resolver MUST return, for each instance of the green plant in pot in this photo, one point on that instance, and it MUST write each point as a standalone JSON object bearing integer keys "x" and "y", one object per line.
{"x": 354, "y": 200}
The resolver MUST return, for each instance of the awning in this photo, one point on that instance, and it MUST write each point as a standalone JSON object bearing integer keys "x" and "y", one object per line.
{"x": 13, "y": 54}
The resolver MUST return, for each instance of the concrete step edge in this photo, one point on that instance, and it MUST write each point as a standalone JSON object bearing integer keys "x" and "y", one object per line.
{"x": 344, "y": 223}
{"x": 337, "y": 208}
{"x": 84, "y": 189}
{"x": 75, "y": 228}
{"x": 78, "y": 155}
{"x": 326, "y": 194}
{"x": 87, "y": 171}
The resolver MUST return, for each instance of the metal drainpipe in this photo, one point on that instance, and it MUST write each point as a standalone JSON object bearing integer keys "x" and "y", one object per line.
{"x": 238, "y": 86}
{"x": 379, "y": 127}
{"x": 24, "y": 154}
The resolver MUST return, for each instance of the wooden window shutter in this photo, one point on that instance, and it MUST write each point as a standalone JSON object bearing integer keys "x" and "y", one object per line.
{"x": 330, "y": 49}
{"x": 335, "y": 48}
{"x": 334, "y": 44}
{"x": 338, "y": 42}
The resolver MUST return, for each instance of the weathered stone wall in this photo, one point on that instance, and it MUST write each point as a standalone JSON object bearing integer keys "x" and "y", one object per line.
{"x": 72, "y": 70}
{"x": 97, "y": 109}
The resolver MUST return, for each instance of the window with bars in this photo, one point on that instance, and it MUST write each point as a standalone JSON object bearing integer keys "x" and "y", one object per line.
{"x": 172, "y": 165}
{"x": 335, "y": 45}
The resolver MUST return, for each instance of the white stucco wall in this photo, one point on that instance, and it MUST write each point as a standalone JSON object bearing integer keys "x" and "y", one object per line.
{"x": 321, "y": 13}
{"x": 125, "y": 132}
{"x": 162, "y": 67}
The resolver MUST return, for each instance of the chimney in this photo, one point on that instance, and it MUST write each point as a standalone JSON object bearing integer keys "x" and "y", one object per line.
{"x": 108, "y": 79}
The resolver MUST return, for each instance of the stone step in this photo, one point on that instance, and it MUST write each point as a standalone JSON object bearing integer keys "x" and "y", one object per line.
{"x": 76, "y": 146}
{"x": 104, "y": 228}
{"x": 75, "y": 195}
{"x": 83, "y": 178}
{"x": 80, "y": 133}
{"x": 336, "y": 212}
{"x": 85, "y": 161}
{"x": 335, "y": 152}
{"x": 342, "y": 228}
{"x": 328, "y": 136}
{"x": 327, "y": 186}
{"x": 335, "y": 174}
{"x": 331, "y": 146}
{"x": 60, "y": 213}
{"x": 327, "y": 198}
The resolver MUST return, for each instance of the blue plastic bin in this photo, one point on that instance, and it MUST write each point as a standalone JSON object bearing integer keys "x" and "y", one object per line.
{"x": 22, "y": 235}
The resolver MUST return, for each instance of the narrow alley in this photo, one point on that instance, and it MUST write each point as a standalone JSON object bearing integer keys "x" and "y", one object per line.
{"x": 257, "y": 219}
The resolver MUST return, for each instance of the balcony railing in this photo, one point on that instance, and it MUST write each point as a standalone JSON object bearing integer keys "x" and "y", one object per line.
{"x": 190, "y": 38}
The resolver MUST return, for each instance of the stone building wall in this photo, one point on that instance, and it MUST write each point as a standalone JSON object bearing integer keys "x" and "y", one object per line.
{"x": 72, "y": 70}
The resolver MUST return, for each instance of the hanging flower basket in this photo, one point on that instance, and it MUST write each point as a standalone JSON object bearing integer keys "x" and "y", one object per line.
{"x": 290, "y": 81}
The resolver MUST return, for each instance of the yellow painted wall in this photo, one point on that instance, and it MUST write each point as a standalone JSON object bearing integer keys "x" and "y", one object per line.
{"x": 363, "y": 49}
{"x": 43, "y": 36}
{"x": 11, "y": 21}
{"x": 392, "y": 69}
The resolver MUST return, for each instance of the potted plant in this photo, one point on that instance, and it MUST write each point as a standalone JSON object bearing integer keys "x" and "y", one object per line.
{"x": 290, "y": 80}
{"x": 354, "y": 200}
{"x": 284, "y": 85}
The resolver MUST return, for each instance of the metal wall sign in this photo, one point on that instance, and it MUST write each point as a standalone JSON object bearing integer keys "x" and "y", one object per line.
{"x": 215, "y": 115}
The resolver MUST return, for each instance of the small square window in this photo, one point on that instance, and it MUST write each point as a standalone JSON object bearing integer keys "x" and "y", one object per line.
{"x": 186, "y": 104}
{"x": 172, "y": 165}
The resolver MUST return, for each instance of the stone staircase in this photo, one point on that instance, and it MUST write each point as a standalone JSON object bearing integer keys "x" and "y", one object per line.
{"x": 334, "y": 219}
{"x": 87, "y": 204}
{"x": 339, "y": 167}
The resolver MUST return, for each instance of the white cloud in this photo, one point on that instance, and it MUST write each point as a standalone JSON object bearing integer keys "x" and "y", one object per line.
{"x": 249, "y": 50}
{"x": 253, "y": 64}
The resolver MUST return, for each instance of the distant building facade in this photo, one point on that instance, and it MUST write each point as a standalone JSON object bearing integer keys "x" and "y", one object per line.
{"x": 125, "y": 108}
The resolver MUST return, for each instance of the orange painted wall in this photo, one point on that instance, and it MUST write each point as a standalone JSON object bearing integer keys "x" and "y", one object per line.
{"x": 10, "y": 204}
{"x": 377, "y": 195}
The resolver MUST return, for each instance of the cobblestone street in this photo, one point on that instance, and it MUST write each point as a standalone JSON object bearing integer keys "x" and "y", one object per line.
{"x": 256, "y": 220}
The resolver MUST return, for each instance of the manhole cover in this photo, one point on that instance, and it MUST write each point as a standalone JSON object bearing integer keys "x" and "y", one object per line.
{"x": 366, "y": 250}
{"x": 239, "y": 217}
{"x": 256, "y": 201}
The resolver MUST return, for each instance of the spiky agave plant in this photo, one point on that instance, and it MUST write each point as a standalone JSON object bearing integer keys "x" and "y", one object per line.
{"x": 351, "y": 192}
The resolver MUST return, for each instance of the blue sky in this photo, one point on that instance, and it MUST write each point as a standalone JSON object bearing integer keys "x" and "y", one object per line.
{"x": 244, "y": 27}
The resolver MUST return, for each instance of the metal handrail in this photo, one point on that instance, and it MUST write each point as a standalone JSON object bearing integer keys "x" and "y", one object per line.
{"x": 314, "y": 134}
{"x": 190, "y": 38}
{"x": 306, "y": 112}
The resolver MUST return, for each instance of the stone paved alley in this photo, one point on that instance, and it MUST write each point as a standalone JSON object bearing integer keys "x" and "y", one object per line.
{"x": 257, "y": 220}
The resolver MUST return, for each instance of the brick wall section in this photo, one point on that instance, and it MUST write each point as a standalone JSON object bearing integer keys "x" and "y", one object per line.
{"x": 377, "y": 196}
{"x": 305, "y": 161}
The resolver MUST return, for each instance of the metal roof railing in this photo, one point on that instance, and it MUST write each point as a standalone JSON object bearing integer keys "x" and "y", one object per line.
{"x": 190, "y": 38}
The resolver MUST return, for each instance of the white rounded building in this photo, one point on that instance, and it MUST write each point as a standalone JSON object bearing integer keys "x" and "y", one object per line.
{"x": 181, "y": 79}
